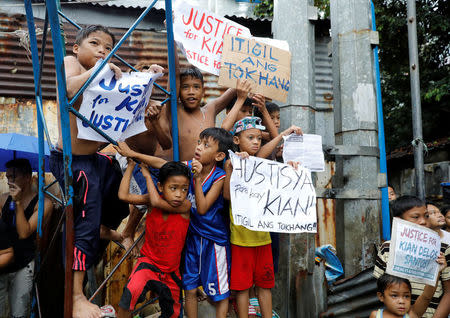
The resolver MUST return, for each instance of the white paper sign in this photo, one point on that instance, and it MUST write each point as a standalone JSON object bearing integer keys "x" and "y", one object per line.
{"x": 117, "y": 107}
{"x": 413, "y": 251}
{"x": 271, "y": 196}
{"x": 306, "y": 149}
{"x": 199, "y": 34}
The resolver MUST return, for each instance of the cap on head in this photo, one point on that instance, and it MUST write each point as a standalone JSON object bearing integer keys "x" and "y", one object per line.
{"x": 247, "y": 123}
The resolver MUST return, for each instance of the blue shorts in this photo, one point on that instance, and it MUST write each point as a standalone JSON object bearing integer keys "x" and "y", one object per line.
{"x": 96, "y": 180}
{"x": 207, "y": 264}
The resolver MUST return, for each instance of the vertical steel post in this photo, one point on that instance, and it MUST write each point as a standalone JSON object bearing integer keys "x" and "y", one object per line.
{"x": 385, "y": 215}
{"x": 58, "y": 50}
{"x": 172, "y": 80}
{"x": 38, "y": 96}
{"x": 415, "y": 99}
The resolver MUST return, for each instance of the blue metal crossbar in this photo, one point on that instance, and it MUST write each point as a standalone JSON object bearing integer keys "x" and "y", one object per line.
{"x": 66, "y": 106}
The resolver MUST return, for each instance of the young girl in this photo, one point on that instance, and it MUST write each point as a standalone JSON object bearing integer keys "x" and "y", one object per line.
{"x": 395, "y": 293}
{"x": 251, "y": 253}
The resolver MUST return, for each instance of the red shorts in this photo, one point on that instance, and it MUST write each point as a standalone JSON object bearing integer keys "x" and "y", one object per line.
{"x": 147, "y": 277}
{"x": 251, "y": 266}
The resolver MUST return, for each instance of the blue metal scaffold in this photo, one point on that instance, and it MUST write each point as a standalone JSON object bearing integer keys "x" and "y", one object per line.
{"x": 65, "y": 107}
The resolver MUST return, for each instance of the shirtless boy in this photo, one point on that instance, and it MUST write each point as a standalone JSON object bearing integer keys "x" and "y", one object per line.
{"x": 192, "y": 118}
{"x": 95, "y": 181}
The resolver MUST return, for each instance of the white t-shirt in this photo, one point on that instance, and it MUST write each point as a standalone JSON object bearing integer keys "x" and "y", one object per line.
{"x": 446, "y": 237}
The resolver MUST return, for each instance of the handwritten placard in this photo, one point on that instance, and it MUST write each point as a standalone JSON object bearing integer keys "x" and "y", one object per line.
{"x": 264, "y": 65}
{"x": 271, "y": 196}
{"x": 199, "y": 33}
{"x": 117, "y": 107}
{"x": 413, "y": 252}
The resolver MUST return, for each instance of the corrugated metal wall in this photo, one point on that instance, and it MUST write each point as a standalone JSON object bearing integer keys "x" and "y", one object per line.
{"x": 16, "y": 70}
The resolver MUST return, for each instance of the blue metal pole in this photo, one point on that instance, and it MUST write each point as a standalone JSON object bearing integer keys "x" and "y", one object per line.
{"x": 58, "y": 50}
{"x": 385, "y": 215}
{"x": 113, "y": 51}
{"x": 172, "y": 79}
{"x": 38, "y": 95}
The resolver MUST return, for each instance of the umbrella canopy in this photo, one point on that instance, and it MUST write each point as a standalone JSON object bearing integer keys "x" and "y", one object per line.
{"x": 15, "y": 146}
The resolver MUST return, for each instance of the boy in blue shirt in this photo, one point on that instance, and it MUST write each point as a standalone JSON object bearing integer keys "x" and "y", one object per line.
{"x": 207, "y": 260}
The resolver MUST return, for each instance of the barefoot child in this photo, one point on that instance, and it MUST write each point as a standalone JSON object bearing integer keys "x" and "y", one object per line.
{"x": 251, "y": 252}
{"x": 95, "y": 181}
{"x": 166, "y": 227}
{"x": 412, "y": 209}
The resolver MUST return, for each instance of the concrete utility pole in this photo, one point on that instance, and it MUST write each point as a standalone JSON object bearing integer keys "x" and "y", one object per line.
{"x": 295, "y": 294}
{"x": 415, "y": 99}
{"x": 356, "y": 178}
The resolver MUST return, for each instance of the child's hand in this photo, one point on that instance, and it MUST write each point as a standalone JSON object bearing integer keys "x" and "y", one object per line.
{"x": 116, "y": 70}
{"x": 144, "y": 171}
{"x": 242, "y": 155}
{"x": 196, "y": 167}
{"x": 441, "y": 261}
{"x": 131, "y": 162}
{"x": 279, "y": 150}
{"x": 153, "y": 110}
{"x": 293, "y": 129}
{"x": 242, "y": 89}
{"x": 293, "y": 164}
{"x": 260, "y": 102}
{"x": 123, "y": 149}
{"x": 155, "y": 69}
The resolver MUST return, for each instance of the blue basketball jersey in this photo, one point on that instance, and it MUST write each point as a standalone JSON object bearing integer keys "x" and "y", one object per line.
{"x": 213, "y": 225}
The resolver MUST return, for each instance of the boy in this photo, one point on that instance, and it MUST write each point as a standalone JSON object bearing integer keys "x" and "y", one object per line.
{"x": 166, "y": 227}
{"x": 96, "y": 180}
{"x": 395, "y": 293}
{"x": 252, "y": 262}
{"x": 207, "y": 248}
{"x": 20, "y": 215}
{"x": 437, "y": 222}
{"x": 412, "y": 209}
{"x": 192, "y": 118}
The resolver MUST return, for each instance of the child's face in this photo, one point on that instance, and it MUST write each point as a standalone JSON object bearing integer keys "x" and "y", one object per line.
{"x": 245, "y": 111}
{"x": 175, "y": 190}
{"x": 436, "y": 219}
{"x": 391, "y": 194}
{"x": 447, "y": 219}
{"x": 207, "y": 151}
{"x": 396, "y": 298}
{"x": 249, "y": 141}
{"x": 276, "y": 118}
{"x": 191, "y": 92}
{"x": 96, "y": 46}
{"x": 418, "y": 215}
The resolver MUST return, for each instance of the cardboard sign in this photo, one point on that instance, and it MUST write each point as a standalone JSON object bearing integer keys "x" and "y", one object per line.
{"x": 199, "y": 34}
{"x": 271, "y": 196}
{"x": 266, "y": 66}
{"x": 413, "y": 252}
{"x": 117, "y": 107}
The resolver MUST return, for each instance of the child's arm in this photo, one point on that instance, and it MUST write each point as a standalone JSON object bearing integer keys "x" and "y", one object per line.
{"x": 6, "y": 257}
{"x": 267, "y": 149}
{"x": 242, "y": 90}
{"x": 423, "y": 301}
{"x": 76, "y": 76}
{"x": 204, "y": 202}
{"x": 124, "y": 188}
{"x": 123, "y": 149}
{"x": 159, "y": 123}
{"x": 260, "y": 103}
{"x": 157, "y": 201}
{"x": 219, "y": 104}
{"x": 373, "y": 314}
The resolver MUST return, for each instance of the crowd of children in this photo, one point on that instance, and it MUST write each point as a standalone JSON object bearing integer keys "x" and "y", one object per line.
{"x": 186, "y": 203}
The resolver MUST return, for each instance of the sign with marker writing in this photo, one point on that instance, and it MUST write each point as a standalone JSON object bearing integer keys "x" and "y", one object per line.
{"x": 413, "y": 252}
{"x": 264, "y": 65}
{"x": 271, "y": 196}
{"x": 199, "y": 34}
{"x": 117, "y": 107}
